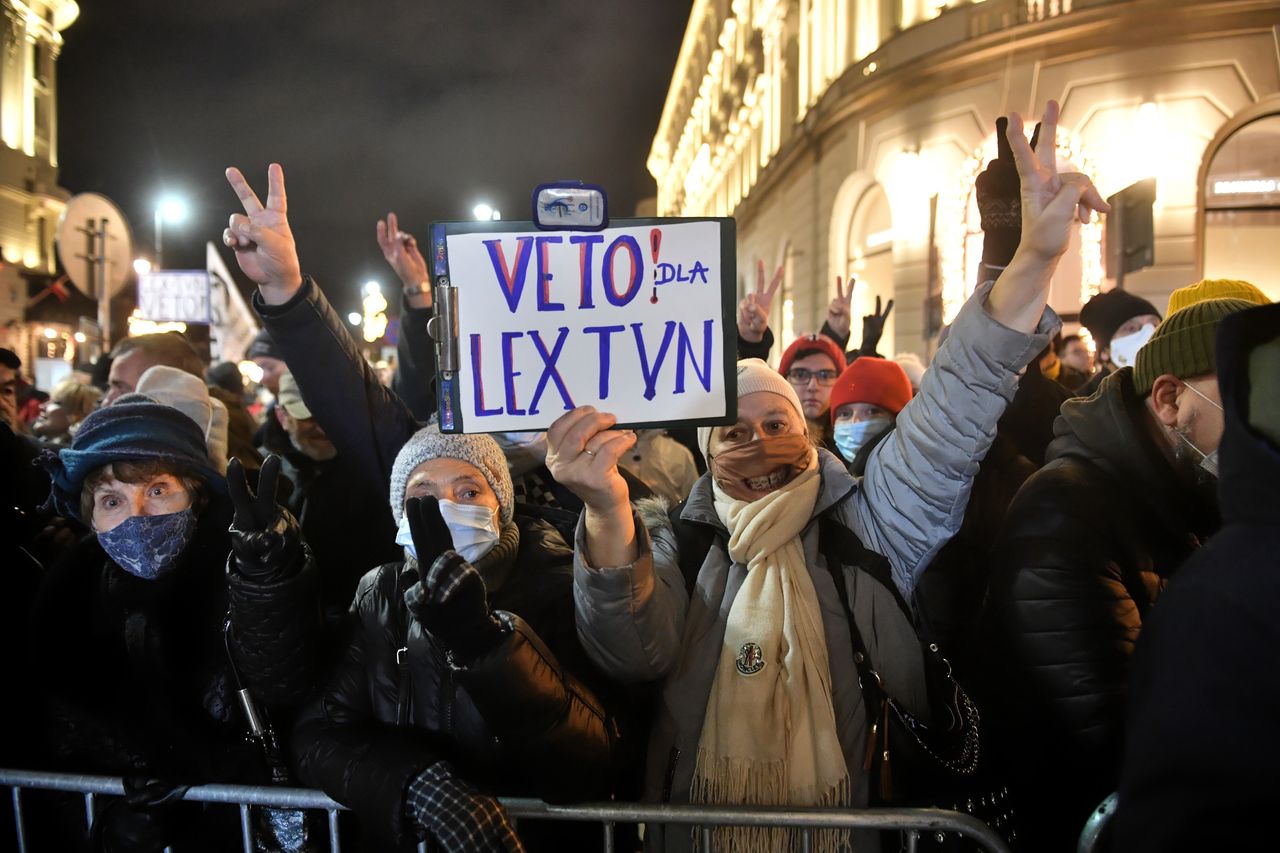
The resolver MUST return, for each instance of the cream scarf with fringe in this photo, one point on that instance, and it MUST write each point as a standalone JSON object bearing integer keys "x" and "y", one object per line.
{"x": 769, "y": 736}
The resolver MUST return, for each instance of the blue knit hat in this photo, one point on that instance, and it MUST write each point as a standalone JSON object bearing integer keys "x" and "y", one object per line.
{"x": 133, "y": 431}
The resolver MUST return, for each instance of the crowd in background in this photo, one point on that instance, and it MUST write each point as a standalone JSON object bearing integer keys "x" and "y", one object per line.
{"x": 326, "y": 590}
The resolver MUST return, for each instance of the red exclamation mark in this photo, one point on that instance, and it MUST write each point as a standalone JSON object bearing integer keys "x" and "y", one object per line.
{"x": 655, "y": 243}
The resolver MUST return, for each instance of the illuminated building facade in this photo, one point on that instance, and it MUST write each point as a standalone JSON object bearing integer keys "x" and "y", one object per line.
{"x": 844, "y": 136}
{"x": 31, "y": 202}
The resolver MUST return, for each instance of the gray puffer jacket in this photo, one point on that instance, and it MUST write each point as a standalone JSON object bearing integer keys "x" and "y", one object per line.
{"x": 638, "y": 623}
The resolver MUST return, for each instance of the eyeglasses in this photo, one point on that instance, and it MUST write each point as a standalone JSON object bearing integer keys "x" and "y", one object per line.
{"x": 801, "y": 376}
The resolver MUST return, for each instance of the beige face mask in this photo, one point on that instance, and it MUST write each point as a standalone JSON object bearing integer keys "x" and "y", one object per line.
{"x": 757, "y": 460}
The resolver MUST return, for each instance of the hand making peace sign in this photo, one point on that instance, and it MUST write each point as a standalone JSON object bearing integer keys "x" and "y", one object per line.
{"x": 840, "y": 310}
{"x": 753, "y": 310}
{"x": 261, "y": 237}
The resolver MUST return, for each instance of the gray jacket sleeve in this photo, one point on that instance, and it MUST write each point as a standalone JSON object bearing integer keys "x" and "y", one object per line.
{"x": 918, "y": 480}
{"x": 631, "y": 618}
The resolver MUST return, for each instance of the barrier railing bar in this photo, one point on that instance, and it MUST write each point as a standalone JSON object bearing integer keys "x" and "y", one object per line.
{"x": 88, "y": 810}
{"x": 913, "y": 841}
{"x": 246, "y": 835}
{"x": 334, "y": 844}
{"x": 806, "y": 841}
{"x": 608, "y": 836}
{"x": 18, "y": 824}
{"x": 706, "y": 839}
{"x": 700, "y": 816}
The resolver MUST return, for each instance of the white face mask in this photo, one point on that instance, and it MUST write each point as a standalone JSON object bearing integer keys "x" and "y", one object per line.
{"x": 474, "y": 530}
{"x": 1208, "y": 461}
{"x": 1124, "y": 351}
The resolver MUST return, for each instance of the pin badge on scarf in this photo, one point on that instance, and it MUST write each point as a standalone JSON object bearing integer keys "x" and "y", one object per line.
{"x": 750, "y": 659}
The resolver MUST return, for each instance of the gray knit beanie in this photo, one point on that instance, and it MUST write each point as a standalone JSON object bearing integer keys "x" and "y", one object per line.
{"x": 480, "y": 450}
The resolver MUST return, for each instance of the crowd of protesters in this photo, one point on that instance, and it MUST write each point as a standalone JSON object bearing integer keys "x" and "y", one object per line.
{"x": 1078, "y": 534}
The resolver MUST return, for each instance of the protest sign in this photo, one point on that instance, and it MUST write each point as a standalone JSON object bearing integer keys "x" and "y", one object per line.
{"x": 174, "y": 296}
{"x": 636, "y": 319}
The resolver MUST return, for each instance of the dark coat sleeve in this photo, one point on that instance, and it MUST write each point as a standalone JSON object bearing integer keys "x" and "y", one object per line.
{"x": 746, "y": 349}
{"x": 415, "y": 379}
{"x": 366, "y": 422}
{"x": 275, "y": 633}
{"x": 340, "y": 746}
{"x": 548, "y": 722}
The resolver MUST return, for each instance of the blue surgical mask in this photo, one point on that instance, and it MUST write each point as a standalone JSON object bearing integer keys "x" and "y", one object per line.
{"x": 149, "y": 546}
{"x": 850, "y": 436}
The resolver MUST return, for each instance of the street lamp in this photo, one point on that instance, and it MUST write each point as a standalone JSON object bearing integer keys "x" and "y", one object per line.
{"x": 355, "y": 318}
{"x": 169, "y": 209}
{"x": 141, "y": 266}
{"x": 486, "y": 213}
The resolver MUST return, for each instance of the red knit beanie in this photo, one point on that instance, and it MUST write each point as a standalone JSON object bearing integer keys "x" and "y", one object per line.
{"x": 877, "y": 381}
{"x": 808, "y": 345}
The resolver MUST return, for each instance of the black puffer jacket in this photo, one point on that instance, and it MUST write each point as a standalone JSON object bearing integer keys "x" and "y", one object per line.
{"x": 1088, "y": 545}
{"x": 519, "y": 721}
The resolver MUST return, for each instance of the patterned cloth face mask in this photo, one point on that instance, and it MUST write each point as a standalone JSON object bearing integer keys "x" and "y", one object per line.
{"x": 149, "y": 546}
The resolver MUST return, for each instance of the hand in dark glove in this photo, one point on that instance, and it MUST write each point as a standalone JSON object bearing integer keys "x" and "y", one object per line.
{"x": 139, "y": 823}
{"x": 266, "y": 541}
{"x": 458, "y": 816}
{"x": 873, "y": 328}
{"x": 451, "y": 601}
{"x": 1000, "y": 200}
{"x": 431, "y": 536}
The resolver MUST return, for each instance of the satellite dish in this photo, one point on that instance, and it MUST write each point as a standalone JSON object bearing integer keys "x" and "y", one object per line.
{"x": 88, "y": 218}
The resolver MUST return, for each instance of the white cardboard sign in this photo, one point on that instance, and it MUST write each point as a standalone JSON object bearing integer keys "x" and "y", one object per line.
{"x": 635, "y": 319}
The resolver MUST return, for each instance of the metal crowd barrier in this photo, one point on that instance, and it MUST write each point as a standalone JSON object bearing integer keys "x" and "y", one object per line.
{"x": 912, "y": 823}
{"x": 1095, "y": 828}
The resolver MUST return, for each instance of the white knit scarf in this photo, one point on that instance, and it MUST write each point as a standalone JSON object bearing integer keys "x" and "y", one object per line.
{"x": 769, "y": 736}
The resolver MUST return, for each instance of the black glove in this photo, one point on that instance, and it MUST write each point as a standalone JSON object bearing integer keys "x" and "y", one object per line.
{"x": 266, "y": 541}
{"x": 458, "y": 816}
{"x": 873, "y": 328}
{"x": 1000, "y": 200}
{"x": 142, "y": 821}
{"x": 431, "y": 536}
{"x": 452, "y": 604}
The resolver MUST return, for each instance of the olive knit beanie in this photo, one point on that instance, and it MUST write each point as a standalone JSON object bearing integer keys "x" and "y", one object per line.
{"x": 1183, "y": 345}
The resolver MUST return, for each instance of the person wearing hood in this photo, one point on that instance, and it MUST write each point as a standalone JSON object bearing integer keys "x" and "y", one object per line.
{"x": 129, "y": 621}
{"x": 1201, "y": 766}
{"x": 463, "y": 672}
{"x": 1124, "y": 498}
{"x": 750, "y": 635}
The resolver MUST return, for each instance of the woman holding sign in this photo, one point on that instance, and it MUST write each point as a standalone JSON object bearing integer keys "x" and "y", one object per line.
{"x": 795, "y": 563}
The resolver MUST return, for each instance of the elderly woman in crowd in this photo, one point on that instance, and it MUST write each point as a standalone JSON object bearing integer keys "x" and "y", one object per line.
{"x": 463, "y": 672}
{"x": 761, "y": 701}
{"x": 129, "y": 621}
{"x": 69, "y": 403}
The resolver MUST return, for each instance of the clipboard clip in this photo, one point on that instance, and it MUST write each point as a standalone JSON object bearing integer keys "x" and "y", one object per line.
{"x": 443, "y": 327}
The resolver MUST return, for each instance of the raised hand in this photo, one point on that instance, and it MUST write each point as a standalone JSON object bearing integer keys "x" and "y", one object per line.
{"x": 452, "y": 603}
{"x": 753, "y": 310}
{"x": 261, "y": 237}
{"x": 265, "y": 537}
{"x": 1051, "y": 202}
{"x": 431, "y": 536}
{"x": 583, "y": 454}
{"x": 401, "y": 251}
{"x": 840, "y": 311}
{"x": 873, "y": 328}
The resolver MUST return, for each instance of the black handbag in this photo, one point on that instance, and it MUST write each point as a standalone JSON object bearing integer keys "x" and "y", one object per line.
{"x": 911, "y": 762}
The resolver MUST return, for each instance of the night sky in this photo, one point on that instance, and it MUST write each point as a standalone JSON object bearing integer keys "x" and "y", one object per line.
{"x": 424, "y": 108}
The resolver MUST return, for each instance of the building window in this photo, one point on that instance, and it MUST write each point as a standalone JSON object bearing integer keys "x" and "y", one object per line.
{"x": 1242, "y": 206}
{"x": 870, "y": 262}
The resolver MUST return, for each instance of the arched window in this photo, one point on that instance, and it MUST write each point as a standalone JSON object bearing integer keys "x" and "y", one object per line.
{"x": 1242, "y": 205}
{"x": 870, "y": 261}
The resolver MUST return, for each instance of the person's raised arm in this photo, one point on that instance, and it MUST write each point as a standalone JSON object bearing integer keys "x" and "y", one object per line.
{"x": 366, "y": 422}
{"x": 755, "y": 338}
{"x": 918, "y": 480}
{"x": 582, "y": 455}
{"x": 415, "y": 378}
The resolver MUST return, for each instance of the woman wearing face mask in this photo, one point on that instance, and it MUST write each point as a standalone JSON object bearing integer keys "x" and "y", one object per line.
{"x": 761, "y": 700}
{"x": 865, "y": 402}
{"x": 129, "y": 622}
{"x": 463, "y": 676}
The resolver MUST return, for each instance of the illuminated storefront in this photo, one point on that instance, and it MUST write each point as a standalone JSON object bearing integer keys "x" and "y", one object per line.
{"x": 845, "y": 135}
